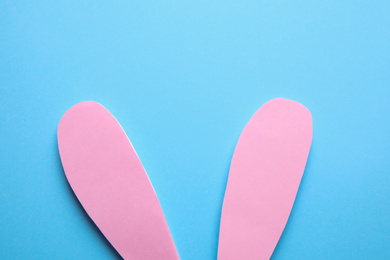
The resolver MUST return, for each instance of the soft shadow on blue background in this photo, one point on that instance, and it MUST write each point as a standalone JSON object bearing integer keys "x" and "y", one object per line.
{"x": 183, "y": 78}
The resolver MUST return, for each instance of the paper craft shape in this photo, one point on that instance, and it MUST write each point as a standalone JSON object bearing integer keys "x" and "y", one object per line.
{"x": 109, "y": 180}
{"x": 264, "y": 177}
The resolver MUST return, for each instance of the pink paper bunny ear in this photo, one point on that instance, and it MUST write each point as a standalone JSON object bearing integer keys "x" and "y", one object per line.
{"x": 264, "y": 177}
{"x": 109, "y": 180}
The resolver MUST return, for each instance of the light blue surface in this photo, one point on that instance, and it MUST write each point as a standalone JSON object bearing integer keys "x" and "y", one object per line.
{"x": 183, "y": 78}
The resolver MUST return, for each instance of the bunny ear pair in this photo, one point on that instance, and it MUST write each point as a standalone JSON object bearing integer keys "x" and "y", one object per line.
{"x": 109, "y": 180}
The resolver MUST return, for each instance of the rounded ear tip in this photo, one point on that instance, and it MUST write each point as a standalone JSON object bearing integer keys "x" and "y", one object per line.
{"x": 81, "y": 105}
{"x": 88, "y": 104}
{"x": 291, "y": 104}
{"x": 84, "y": 105}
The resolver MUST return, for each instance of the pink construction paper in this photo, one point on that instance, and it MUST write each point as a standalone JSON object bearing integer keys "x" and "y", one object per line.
{"x": 264, "y": 177}
{"x": 109, "y": 180}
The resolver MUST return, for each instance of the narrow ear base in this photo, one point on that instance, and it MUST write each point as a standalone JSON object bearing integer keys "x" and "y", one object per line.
{"x": 264, "y": 178}
{"x": 111, "y": 184}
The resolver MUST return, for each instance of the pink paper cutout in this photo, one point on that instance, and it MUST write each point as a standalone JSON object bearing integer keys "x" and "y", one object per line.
{"x": 265, "y": 173}
{"x": 109, "y": 180}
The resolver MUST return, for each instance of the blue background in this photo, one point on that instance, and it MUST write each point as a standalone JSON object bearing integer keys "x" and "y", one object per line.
{"x": 183, "y": 78}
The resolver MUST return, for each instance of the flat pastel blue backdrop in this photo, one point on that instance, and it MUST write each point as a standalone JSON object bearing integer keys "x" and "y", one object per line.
{"x": 183, "y": 78}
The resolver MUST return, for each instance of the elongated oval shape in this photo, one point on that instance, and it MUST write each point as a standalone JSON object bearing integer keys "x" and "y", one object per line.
{"x": 265, "y": 173}
{"x": 109, "y": 180}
